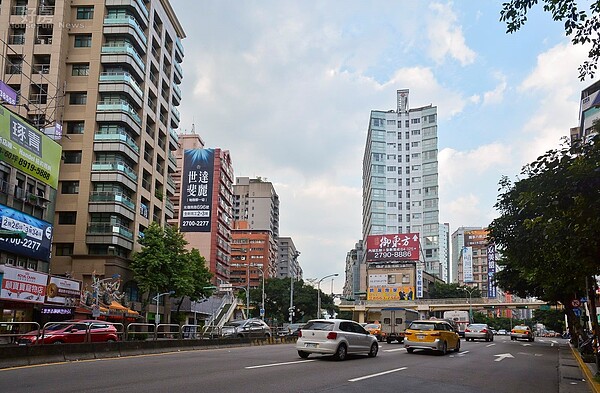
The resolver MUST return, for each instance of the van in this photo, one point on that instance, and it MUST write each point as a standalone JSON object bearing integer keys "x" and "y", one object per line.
{"x": 394, "y": 321}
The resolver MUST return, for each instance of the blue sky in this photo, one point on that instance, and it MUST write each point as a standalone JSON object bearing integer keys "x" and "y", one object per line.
{"x": 287, "y": 87}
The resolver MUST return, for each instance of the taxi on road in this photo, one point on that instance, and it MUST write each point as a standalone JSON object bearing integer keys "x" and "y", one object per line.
{"x": 375, "y": 329}
{"x": 434, "y": 335}
{"x": 521, "y": 332}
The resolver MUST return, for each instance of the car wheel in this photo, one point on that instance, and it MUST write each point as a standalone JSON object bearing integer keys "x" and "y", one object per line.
{"x": 531, "y": 339}
{"x": 388, "y": 340}
{"x": 303, "y": 354}
{"x": 374, "y": 350}
{"x": 110, "y": 340}
{"x": 410, "y": 350}
{"x": 444, "y": 349}
{"x": 341, "y": 352}
{"x": 492, "y": 338}
{"x": 267, "y": 335}
{"x": 457, "y": 348}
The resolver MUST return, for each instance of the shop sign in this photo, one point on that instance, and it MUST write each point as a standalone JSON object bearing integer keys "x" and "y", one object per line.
{"x": 23, "y": 285}
{"x": 63, "y": 291}
{"x": 38, "y": 234}
{"x": 57, "y": 311}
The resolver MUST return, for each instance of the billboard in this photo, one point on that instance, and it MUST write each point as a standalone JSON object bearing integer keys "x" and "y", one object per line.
{"x": 476, "y": 237}
{"x": 467, "y": 258}
{"x": 63, "y": 291}
{"x": 38, "y": 234}
{"x": 196, "y": 190}
{"x": 391, "y": 293}
{"x": 397, "y": 247}
{"x": 491, "y": 260}
{"x": 27, "y": 149}
{"x": 23, "y": 285}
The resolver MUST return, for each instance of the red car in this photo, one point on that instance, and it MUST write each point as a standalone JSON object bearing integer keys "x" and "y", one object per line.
{"x": 72, "y": 332}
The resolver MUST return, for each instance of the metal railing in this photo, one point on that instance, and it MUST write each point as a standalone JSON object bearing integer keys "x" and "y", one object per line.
{"x": 40, "y": 334}
{"x": 9, "y": 331}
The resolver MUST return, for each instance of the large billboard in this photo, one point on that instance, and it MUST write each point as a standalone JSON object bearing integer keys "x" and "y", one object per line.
{"x": 391, "y": 293}
{"x": 196, "y": 190}
{"x": 477, "y": 237}
{"x": 27, "y": 149}
{"x": 38, "y": 234}
{"x": 23, "y": 285}
{"x": 391, "y": 285}
{"x": 397, "y": 247}
{"x": 491, "y": 260}
{"x": 467, "y": 259}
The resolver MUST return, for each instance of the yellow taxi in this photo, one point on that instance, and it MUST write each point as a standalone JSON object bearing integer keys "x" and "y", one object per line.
{"x": 521, "y": 332}
{"x": 434, "y": 335}
{"x": 375, "y": 329}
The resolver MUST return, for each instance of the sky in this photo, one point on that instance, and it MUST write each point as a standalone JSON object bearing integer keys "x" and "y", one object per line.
{"x": 288, "y": 86}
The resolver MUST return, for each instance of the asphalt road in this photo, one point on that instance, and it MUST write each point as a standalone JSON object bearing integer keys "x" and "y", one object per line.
{"x": 498, "y": 366}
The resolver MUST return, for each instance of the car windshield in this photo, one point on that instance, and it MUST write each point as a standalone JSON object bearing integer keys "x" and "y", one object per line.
{"x": 234, "y": 324}
{"x": 56, "y": 326}
{"x": 372, "y": 326}
{"x": 477, "y": 326}
{"x": 318, "y": 325}
{"x": 423, "y": 326}
{"x": 521, "y": 328}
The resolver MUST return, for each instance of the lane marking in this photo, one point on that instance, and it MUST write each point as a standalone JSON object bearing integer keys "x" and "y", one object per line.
{"x": 279, "y": 364}
{"x": 490, "y": 345}
{"x": 376, "y": 375}
{"x": 503, "y": 356}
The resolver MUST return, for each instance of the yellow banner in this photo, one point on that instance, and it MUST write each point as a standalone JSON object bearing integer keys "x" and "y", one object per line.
{"x": 391, "y": 293}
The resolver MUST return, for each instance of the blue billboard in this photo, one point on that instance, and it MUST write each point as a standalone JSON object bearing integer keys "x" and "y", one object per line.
{"x": 37, "y": 240}
{"x": 196, "y": 190}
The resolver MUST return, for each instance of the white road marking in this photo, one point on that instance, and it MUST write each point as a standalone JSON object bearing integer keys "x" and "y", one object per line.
{"x": 490, "y": 345}
{"x": 526, "y": 345}
{"x": 394, "y": 350}
{"x": 503, "y": 356}
{"x": 279, "y": 364}
{"x": 376, "y": 375}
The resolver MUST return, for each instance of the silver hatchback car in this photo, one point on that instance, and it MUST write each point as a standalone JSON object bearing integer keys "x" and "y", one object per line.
{"x": 337, "y": 337}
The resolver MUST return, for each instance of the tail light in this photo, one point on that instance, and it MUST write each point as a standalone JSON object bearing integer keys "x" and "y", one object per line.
{"x": 331, "y": 335}
{"x": 483, "y": 330}
{"x": 299, "y": 333}
{"x": 467, "y": 330}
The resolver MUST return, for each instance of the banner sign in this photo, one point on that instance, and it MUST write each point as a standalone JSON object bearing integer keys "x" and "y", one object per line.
{"x": 391, "y": 293}
{"x": 476, "y": 237}
{"x": 196, "y": 190}
{"x": 23, "y": 285}
{"x": 38, "y": 234}
{"x": 63, "y": 291}
{"x": 397, "y": 247}
{"x": 491, "y": 259}
{"x": 8, "y": 94}
{"x": 27, "y": 149}
{"x": 467, "y": 257}
{"x": 419, "y": 283}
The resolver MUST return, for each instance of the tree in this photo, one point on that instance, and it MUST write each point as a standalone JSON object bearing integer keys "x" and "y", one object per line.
{"x": 585, "y": 25}
{"x": 452, "y": 291}
{"x": 548, "y": 231}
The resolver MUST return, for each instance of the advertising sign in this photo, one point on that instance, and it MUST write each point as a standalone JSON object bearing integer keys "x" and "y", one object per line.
{"x": 476, "y": 237}
{"x": 38, "y": 234}
{"x": 419, "y": 283}
{"x": 391, "y": 293}
{"x": 467, "y": 257}
{"x": 491, "y": 259}
{"x": 196, "y": 190}
{"x": 7, "y": 94}
{"x": 23, "y": 285}
{"x": 27, "y": 149}
{"x": 397, "y": 247}
{"x": 63, "y": 291}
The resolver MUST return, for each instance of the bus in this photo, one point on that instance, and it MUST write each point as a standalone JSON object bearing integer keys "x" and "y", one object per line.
{"x": 460, "y": 317}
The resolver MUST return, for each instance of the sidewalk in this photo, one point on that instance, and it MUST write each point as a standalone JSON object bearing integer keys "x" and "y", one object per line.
{"x": 575, "y": 376}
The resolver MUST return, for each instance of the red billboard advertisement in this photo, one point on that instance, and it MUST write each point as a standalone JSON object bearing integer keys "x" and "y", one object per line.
{"x": 396, "y": 247}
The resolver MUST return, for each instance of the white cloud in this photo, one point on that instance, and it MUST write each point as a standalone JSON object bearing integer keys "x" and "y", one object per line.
{"x": 446, "y": 37}
{"x": 497, "y": 95}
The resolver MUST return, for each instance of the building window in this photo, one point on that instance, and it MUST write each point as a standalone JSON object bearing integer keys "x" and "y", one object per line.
{"x": 85, "y": 12}
{"x": 72, "y": 157}
{"x": 82, "y": 69}
{"x": 75, "y": 127}
{"x": 70, "y": 187}
{"x": 64, "y": 249}
{"x": 67, "y": 218}
{"x": 83, "y": 40}
{"x": 77, "y": 98}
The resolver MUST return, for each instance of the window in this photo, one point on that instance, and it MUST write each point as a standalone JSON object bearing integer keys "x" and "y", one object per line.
{"x": 415, "y": 121}
{"x": 75, "y": 127}
{"x": 70, "y": 187}
{"x": 415, "y": 132}
{"x": 64, "y": 249}
{"x": 77, "y": 98}
{"x": 415, "y": 144}
{"x": 391, "y": 122}
{"x": 81, "y": 69}
{"x": 85, "y": 12}
{"x": 67, "y": 218}
{"x": 72, "y": 157}
{"x": 83, "y": 40}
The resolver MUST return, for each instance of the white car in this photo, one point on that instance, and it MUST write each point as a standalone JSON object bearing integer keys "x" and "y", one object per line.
{"x": 337, "y": 337}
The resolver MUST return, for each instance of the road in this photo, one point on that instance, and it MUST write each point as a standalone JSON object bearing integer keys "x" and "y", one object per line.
{"x": 498, "y": 366}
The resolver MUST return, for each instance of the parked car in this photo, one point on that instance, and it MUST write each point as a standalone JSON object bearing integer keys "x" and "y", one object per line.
{"x": 246, "y": 328}
{"x": 478, "y": 331}
{"x": 521, "y": 332}
{"x": 435, "y": 335}
{"x": 502, "y": 332}
{"x": 375, "y": 329}
{"x": 337, "y": 337}
{"x": 294, "y": 328}
{"x": 75, "y": 331}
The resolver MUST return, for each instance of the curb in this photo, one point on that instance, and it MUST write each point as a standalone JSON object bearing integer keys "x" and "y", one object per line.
{"x": 589, "y": 376}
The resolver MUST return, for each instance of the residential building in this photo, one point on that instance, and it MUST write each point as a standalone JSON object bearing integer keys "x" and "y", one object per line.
{"x": 477, "y": 263}
{"x": 458, "y": 243}
{"x": 400, "y": 178}
{"x": 352, "y": 284}
{"x": 445, "y": 252}
{"x": 108, "y": 71}
{"x": 287, "y": 260}
{"x": 589, "y": 112}
{"x": 251, "y": 253}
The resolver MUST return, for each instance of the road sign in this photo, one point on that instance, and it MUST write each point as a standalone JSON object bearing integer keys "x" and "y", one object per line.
{"x": 262, "y": 312}
{"x": 95, "y": 311}
{"x": 577, "y": 312}
{"x": 575, "y": 303}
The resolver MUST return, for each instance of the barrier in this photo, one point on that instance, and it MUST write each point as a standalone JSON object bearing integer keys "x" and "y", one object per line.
{"x": 15, "y": 330}
{"x": 167, "y": 330}
{"x": 141, "y": 330}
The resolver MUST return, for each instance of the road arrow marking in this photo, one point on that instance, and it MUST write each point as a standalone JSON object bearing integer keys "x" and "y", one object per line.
{"x": 490, "y": 345}
{"x": 526, "y": 345}
{"x": 503, "y": 356}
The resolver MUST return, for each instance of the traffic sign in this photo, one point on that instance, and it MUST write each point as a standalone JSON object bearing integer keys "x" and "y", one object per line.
{"x": 577, "y": 312}
{"x": 262, "y": 312}
{"x": 575, "y": 303}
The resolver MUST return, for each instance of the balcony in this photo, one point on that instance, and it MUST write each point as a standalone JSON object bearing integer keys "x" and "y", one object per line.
{"x": 169, "y": 206}
{"x": 178, "y": 75}
{"x": 101, "y": 228}
{"x": 124, "y": 48}
{"x": 175, "y": 113}
{"x": 171, "y": 182}
{"x": 136, "y": 6}
{"x": 176, "y": 94}
{"x": 112, "y": 197}
{"x": 116, "y": 166}
{"x": 116, "y": 136}
{"x": 127, "y": 20}
{"x": 174, "y": 139}
{"x": 180, "y": 53}
{"x": 119, "y": 106}
{"x": 45, "y": 10}
{"x": 122, "y": 77}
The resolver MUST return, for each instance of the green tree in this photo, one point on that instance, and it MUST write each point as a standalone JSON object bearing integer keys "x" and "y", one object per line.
{"x": 452, "y": 291}
{"x": 582, "y": 25}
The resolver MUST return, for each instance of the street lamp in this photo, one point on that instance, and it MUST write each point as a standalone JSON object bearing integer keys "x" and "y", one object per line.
{"x": 470, "y": 292}
{"x": 262, "y": 307}
{"x": 292, "y": 267}
{"x": 319, "y": 292}
{"x": 157, "y": 318}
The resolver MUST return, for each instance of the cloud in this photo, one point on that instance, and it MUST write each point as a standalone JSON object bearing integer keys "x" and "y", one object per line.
{"x": 446, "y": 37}
{"x": 496, "y": 96}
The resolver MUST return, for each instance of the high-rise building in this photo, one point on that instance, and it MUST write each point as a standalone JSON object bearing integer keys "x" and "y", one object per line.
{"x": 458, "y": 243}
{"x": 352, "y": 284}
{"x": 588, "y": 112}
{"x": 107, "y": 71}
{"x": 287, "y": 260}
{"x": 400, "y": 177}
{"x": 445, "y": 251}
{"x": 250, "y": 255}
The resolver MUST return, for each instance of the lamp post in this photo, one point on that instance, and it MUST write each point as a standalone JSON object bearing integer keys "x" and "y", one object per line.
{"x": 262, "y": 306}
{"x": 470, "y": 292}
{"x": 157, "y": 318}
{"x": 319, "y": 292}
{"x": 291, "y": 269}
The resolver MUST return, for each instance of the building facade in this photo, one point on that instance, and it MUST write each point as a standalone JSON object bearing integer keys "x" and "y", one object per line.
{"x": 589, "y": 112}
{"x": 400, "y": 178}
{"x": 354, "y": 261}
{"x": 287, "y": 260}
{"x": 458, "y": 243}
{"x": 445, "y": 252}
{"x": 251, "y": 255}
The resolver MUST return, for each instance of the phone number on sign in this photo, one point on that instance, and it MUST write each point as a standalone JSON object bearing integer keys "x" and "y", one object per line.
{"x": 27, "y": 243}
{"x": 10, "y": 156}
{"x": 194, "y": 223}
{"x": 395, "y": 254}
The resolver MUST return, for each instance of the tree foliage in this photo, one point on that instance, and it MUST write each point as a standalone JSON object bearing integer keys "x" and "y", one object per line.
{"x": 452, "y": 291}
{"x": 582, "y": 25}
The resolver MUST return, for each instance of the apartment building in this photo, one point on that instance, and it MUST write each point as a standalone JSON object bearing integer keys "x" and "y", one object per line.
{"x": 251, "y": 252}
{"x": 107, "y": 73}
{"x": 287, "y": 259}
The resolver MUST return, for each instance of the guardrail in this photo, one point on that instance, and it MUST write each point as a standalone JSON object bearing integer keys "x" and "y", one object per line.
{"x": 10, "y": 330}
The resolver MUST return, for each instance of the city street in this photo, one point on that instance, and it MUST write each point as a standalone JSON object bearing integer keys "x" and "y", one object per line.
{"x": 498, "y": 366}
